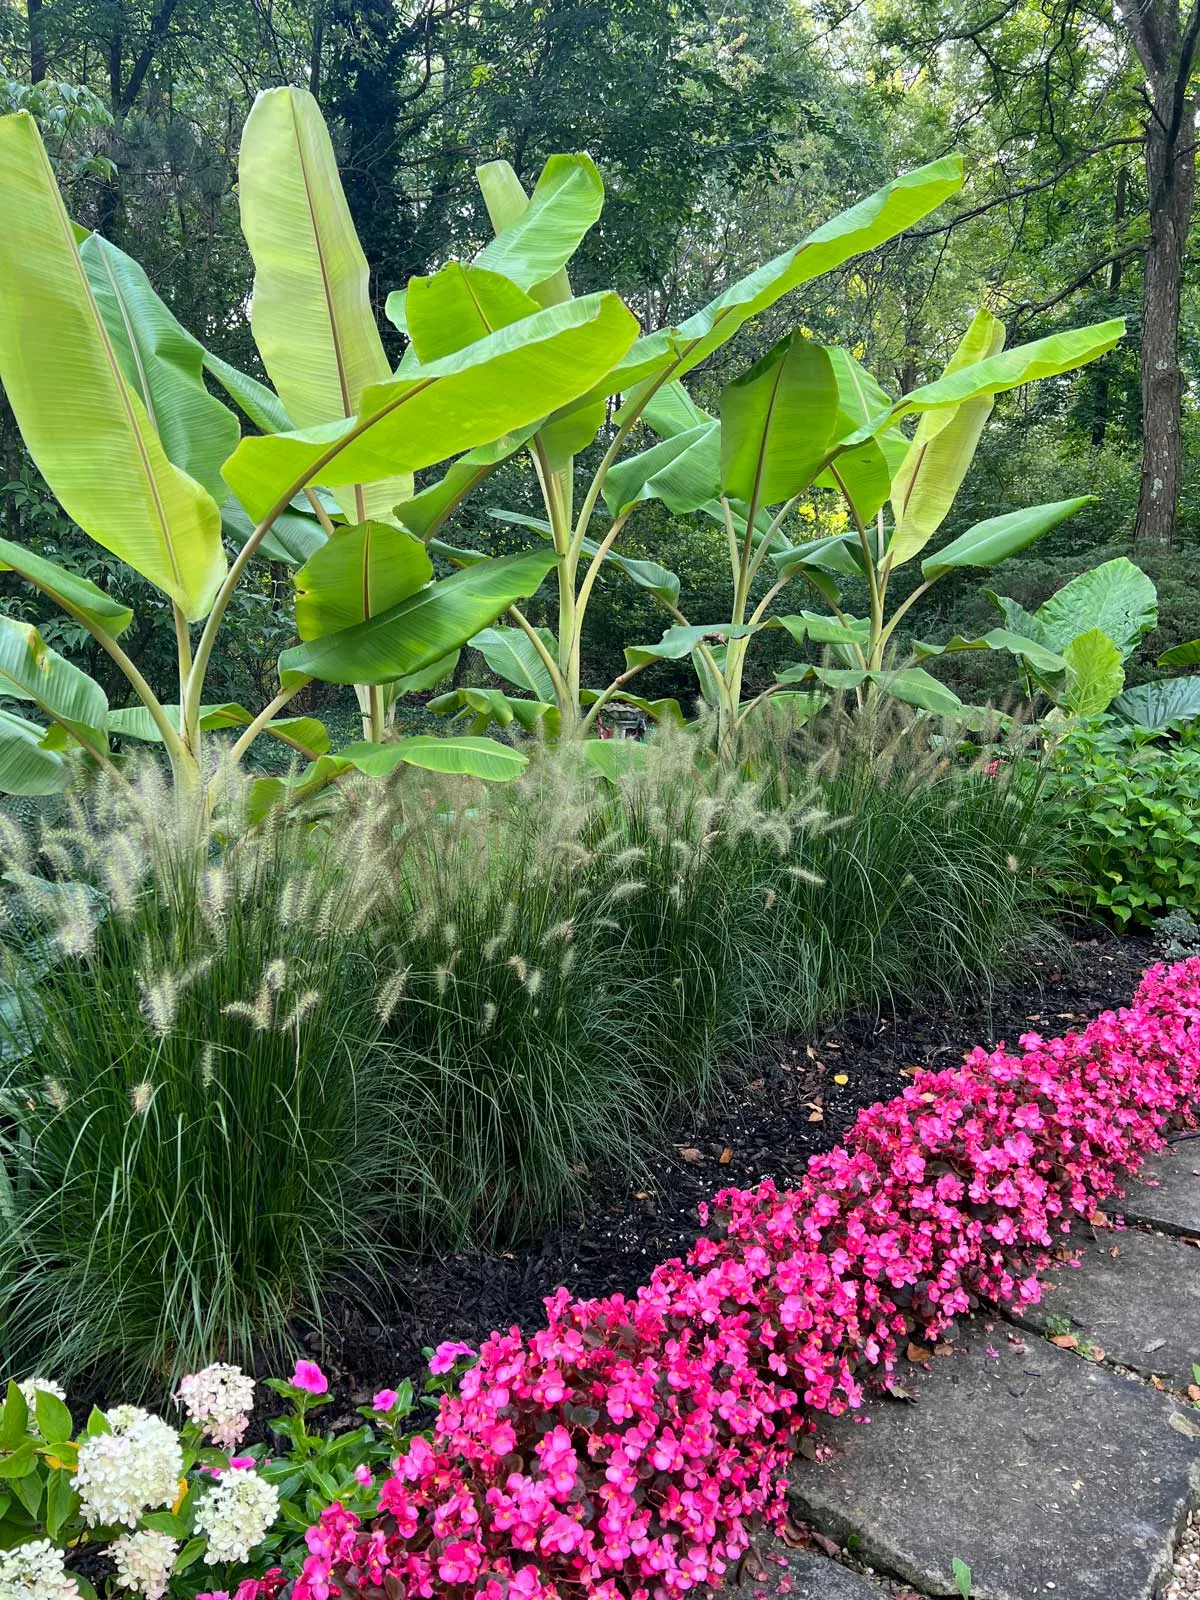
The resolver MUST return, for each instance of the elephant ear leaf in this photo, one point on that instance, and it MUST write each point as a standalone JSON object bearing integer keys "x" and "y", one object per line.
{"x": 1115, "y": 598}
{"x": 83, "y": 423}
{"x": 311, "y": 312}
{"x": 1095, "y": 675}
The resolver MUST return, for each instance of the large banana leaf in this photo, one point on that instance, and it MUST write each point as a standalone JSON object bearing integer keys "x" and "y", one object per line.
{"x": 26, "y": 765}
{"x": 511, "y": 655}
{"x": 67, "y": 589}
{"x": 458, "y": 305}
{"x": 262, "y": 405}
{"x": 776, "y": 423}
{"x": 536, "y": 237}
{"x": 942, "y": 449}
{"x": 83, "y": 424}
{"x": 311, "y": 311}
{"x": 472, "y": 397}
{"x": 1181, "y": 655}
{"x": 305, "y": 734}
{"x": 479, "y": 708}
{"x": 163, "y": 364}
{"x": 358, "y": 573}
{"x": 648, "y": 575}
{"x": 681, "y": 640}
{"x": 682, "y": 471}
{"x": 293, "y": 538}
{"x": 913, "y": 685}
{"x": 420, "y": 630}
{"x": 873, "y": 221}
{"x": 1043, "y": 358}
{"x": 1000, "y": 537}
{"x": 865, "y": 472}
{"x": 1115, "y": 598}
{"x": 30, "y": 670}
{"x": 1038, "y": 656}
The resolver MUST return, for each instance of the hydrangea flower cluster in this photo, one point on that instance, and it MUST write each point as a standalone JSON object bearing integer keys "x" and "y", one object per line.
{"x": 626, "y": 1451}
{"x": 31, "y": 1387}
{"x": 219, "y": 1401}
{"x": 134, "y": 1468}
{"x": 144, "y": 1561}
{"x": 236, "y": 1514}
{"x": 35, "y": 1572}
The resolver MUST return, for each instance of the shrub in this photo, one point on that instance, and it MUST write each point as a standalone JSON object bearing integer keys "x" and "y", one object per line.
{"x": 193, "y": 1151}
{"x": 1129, "y": 808}
{"x": 629, "y": 1447}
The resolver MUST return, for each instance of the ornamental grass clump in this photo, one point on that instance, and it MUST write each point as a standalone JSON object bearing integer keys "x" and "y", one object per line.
{"x": 194, "y": 1131}
{"x": 628, "y": 1450}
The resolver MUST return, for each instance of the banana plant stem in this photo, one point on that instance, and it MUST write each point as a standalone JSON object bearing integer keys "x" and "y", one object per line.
{"x": 245, "y": 740}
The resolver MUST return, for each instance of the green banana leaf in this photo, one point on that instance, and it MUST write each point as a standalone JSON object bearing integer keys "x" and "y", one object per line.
{"x": 163, "y": 364}
{"x": 680, "y": 641}
{"x": 262, "y": 405}
{"x": 30, "y": 670}
{"x": 356, "y": 574}
{"x": 1040, "y": 659}
{"x": 305, "y": 734}
{"x": 1181, "y": 655}
{"x": 666, "y": 711}
{"x": 1000, "y": 537}
{"x": 420, "y": 630}
{"x": 82, "y": 422}
{"x": 536, "y": 237}
{"x": 482, "y": 707}
{"x": 776, "y": 423}
{"x": 458, "y": 305}
{"x": 427, "y": 511}
{"x": 682, "y": 471}
{"x": 293, "y": 538}
{"x": 310, "y": 310}
{"x": 67, "y": 589}
{"x": 511, "y": 655}
{"x": 473, "y": 397}
{"x": 27, "y": 767}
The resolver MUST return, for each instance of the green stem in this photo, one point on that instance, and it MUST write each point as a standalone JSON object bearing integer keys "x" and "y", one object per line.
{"x": 245, "y": 740}
{"x": 548, "y": 661}
{"x": 175, "y": 746}
{"x": 875, "y": 644}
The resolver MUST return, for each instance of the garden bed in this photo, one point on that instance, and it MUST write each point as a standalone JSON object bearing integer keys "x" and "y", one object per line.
{"x": 766, "y": 1127}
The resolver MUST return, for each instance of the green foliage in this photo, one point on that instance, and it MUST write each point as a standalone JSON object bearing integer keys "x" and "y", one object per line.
{"x": 1130, "y": 810}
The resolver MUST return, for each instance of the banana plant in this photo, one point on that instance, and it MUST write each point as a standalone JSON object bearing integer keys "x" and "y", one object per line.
{"x": 807, "y": 417}
{"x": 109, "y": 393}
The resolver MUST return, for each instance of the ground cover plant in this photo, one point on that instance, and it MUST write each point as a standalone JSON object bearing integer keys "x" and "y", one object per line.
{"x": 635, "y": 1443}
{"x": 251, "y": 1073}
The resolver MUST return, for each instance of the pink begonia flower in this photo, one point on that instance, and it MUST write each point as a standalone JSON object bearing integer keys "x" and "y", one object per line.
{"x": 241, "y": 1463}
{"x": 532, "y": 1482}
{"x": 309, "y": 1377}
{"x": 385, "y": 1400}
{"x": 446, "y": 1354}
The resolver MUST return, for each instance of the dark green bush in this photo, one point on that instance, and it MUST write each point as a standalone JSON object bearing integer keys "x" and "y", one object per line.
{"x": 1130, "y": 810}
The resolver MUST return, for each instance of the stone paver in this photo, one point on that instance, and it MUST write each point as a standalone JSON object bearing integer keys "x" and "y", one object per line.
{"x": 1049, "y": 1476}
{"x": 809, "y": 1576}
{"x": 1141, "y": 1305}
{"x": 1170, "y": 1199}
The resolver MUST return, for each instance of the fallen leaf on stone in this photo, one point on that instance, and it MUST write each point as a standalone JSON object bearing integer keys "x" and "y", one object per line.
{"x": 1155, "y": 1344}
{"x": 1065, "y": 1341}
{"x": 829, "y": 1547}
{"x": 1094, "y": 1352}
{"x": 1157, "y": 1382}
{"x": 1184, "y": 1425}
{"x": 1193, "y": 1391}
{"x": 1114, "y": 1252}
{"x": 727, "y": 1153}
{"x": 918, "y": 1353}
{"x": 816, "y": 1116}
{"x": 689, "y": 1153}
{"x": 943, "y": 1349}
{"x": 899, "y": 1392}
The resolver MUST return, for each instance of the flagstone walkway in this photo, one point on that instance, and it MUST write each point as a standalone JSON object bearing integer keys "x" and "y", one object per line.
{"x": 1053, "y": 1471}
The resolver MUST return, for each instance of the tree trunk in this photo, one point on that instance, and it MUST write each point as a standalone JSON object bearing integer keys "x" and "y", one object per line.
{"x": 1171, "y": 186}
{"x": 37, "y": 42}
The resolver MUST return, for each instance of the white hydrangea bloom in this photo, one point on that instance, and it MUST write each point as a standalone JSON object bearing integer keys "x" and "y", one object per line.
{"x": 236, "y": 1514}
{"x": 135, "y": 1468}
{"x": 144, "y": 1561}
{"x": 29, "y": 1388}
{"x": 218, "y": 1399}
{"x": 35, "y": 1572}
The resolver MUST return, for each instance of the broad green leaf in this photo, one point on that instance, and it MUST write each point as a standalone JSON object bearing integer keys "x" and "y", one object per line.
{"x": 511, "y": 655}
{"x": 358, "y": 573}
{"x": 426, "y": 677}
{"x": 1017, "y": 619}
{"x": 913, "y": 685}
{"x": 1000, "y": 537}
{"x": 305, "y": 734}
{"x": 873, "y": 221}
{"x": 1181, "y": 655}
{"x": 659, "y": 581}
{"x": 866, "y": 472}
{"x": 1095, "y": 675}
{"x": 535, "y": 240}
{"x": 672, "y": 410}
{"x": 680, "y": 641}
{"x": 837, "y": 552}
{"x": 163, "y": 364}
{"x": 821, "y": 629}
{"x": 564, "y": 435}
{"x": 53, "y": 1417}
{"x": 1115, "y": 598}
{"x": 666, "y": 711}
{"x": 485, "y": 706}
{"x": 67, "y": 589}
{"x": 1160, "y": 704}
{"x": 14, "y": 1419}
{"x": 457, "y": 306}
{"x": 310, "y": 310}
{"x": 475, "y": 758}
{"x": 427, "y": 511}
{"x": 262, "y": 405}
{"x": 420, "y": 630}
{"x": 82, "y": 423}
{"x": 942, "y": 449}
{"x": 613, "y": 759}
{"x": 293, "y": 538}
{"x": 776, "y": 423}
{"x": 1038, "y": 656}
{"x": 19, "y": 1463}
{"x": 30, "y": 670}
{"x": 1044, "y": 358}
{"x": 61, "y": 1500}
{"x": 470, "y": 398}
{"x": 682, "y": 471}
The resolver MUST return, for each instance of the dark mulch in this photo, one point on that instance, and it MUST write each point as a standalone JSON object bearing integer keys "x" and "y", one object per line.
{"x": 775, "y": 1113}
